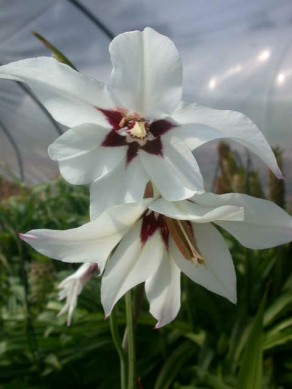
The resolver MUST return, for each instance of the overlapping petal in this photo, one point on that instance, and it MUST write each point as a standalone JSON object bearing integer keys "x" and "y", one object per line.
{"x": 217, "y": 273}
{"x": 188, "y": 210}
{"x": 130, "y": 265}
{"x": 147, "y": 73}
{"x": 92, "y": 242}
{"x": 68, "y": 95}
{"x": 265, "y": 223}
{"x": 199, "y": 125}
{"x": 163, "y": 291}
{"x": 177, "y": 175}
{"x": 123, "y": 184}
{"x": 80, "y": 156}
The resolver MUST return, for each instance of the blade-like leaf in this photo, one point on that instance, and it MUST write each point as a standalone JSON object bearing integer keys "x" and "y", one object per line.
{"x": 280, "y": 305}
{"x": 173, "y": 365}
{"x": 250, "y": 374}
{"x": 56, "y": 53}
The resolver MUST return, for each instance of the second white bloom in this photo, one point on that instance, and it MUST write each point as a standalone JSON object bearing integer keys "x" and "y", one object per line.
{"x": 153, "y": 241}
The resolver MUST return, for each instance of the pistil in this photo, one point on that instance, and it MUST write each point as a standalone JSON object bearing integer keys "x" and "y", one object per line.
{"x": 139, "y": 129}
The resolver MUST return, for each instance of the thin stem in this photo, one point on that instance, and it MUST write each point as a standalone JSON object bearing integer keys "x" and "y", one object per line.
{"x": 139, "y": 295}
{"x": 248, "y": 281}
{"x": 130, "y": 342}
{"x": 118, "y": 345}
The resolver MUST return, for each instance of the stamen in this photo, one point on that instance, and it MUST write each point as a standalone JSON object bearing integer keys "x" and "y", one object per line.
{"x": 134, "y": 125}
{"x": 183, "y": 236}
{"x": 149, "y": 190}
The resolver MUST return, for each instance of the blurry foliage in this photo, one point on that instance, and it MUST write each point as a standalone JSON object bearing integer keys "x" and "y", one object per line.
{"x": 212, "y": 344}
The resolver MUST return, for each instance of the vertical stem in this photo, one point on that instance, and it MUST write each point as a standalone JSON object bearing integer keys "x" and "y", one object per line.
{"x": 130, "y": 342}
{"x": 187, "y": 285}
{"x": 248, "y": 281}
{"x": 118, "y": 344}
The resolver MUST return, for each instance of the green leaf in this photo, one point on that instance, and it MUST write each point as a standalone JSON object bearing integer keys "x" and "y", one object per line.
{"x": 250, "y": 374}
{"x": 56, "y": 53}
{"x": 173, "y": 365}
{"x": 215, "y": 382}
{"x": 278, "y": 307}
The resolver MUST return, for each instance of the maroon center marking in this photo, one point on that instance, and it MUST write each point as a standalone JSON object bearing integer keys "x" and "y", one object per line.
{"x": 114, "y": 139}
{"x": 150, "y": 224}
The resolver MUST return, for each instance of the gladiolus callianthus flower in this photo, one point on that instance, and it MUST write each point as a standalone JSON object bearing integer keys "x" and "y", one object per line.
{"x": 154, "y": 240}
{"x": 135, "y": 129}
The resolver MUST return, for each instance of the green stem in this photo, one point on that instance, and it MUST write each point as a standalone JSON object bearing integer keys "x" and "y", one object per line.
{"x": 130, "y": 342}
{"x": 118, "y": 345}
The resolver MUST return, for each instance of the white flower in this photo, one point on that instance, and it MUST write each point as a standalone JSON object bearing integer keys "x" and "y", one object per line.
{"x": 72, "y": 286}
{"x": 156, "y": 240}
{"x": 135, "y": 128}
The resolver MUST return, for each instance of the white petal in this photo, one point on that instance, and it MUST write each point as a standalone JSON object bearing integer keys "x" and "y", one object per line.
{"x": 176, "y": 175}
{"x": 68, "y": 95}
{"x": 72, "y": 286}
{"x": 163, "y": 291}
{"x": 147, "y": 73}
{"x": 217, "y": 274}
{"x": 71, "y": 293}
{"x": 84, "y": 273}
{"x": 265, "y": 223}
{"x": 130, "y": 265}
{"x": 81, "y": 157}
{"x": 92, "y": 242}
{"x": 202, "y": 124}
{"x": 123, "y": 185}
{"x": 187, "y": 210}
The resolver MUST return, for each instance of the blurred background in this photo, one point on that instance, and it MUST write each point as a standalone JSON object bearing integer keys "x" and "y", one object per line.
{"x": 236, "y": 54}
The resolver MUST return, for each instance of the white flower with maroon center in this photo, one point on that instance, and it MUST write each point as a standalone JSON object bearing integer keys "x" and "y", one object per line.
{"x": 153, "y": 241}
{"x": 135, "y": 128}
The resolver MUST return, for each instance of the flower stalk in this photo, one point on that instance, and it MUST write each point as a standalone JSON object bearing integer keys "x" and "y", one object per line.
{"x": 118, "y": 345}
{"x": 130, "y": 344}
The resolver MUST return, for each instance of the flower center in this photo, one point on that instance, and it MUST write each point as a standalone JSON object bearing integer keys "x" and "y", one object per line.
{"x": 134, "y": 127}
{"x": 181, "y": 232}
{"x": 139, "y": 129}
{"x": 130, "y": 129}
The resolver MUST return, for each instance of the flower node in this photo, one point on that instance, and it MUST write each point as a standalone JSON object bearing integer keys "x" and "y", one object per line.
{"x": 134, "y": 127}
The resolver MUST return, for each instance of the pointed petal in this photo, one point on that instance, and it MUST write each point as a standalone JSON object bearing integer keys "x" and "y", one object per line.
{"x": 124, "y": 184}
{"x": 71, "y": 287}
{"x": 81, "y": 157}
{"x": 265, "y": 223}
{"x": 217, "y": 273}
{"x": 147, "y": 73}
{"x": 163, "y": 291}
{"x": 71, "y": 293}
{"x": 92, "y": 242}
{"x": 187, "y": 210}
{"x": 176, "y": 175}
{"x": 200, "y": 125}
{"x": 68, "y": 95}
{"x": 130, "y": 265}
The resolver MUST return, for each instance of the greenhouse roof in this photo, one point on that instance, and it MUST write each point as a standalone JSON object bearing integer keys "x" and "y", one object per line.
{"x": 236, "y": 55}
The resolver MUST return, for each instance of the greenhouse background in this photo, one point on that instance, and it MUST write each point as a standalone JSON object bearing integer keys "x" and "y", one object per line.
{"x": 236, "y": 54}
